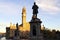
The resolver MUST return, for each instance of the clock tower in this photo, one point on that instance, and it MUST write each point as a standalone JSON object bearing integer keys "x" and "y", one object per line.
{"x": 24, "y": 16}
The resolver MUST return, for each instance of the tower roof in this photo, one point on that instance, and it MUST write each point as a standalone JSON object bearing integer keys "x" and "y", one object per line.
{"x": 24, "y": 10}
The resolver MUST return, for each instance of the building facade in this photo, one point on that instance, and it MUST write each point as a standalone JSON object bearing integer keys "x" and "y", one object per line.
{"x": 25, "y": 26}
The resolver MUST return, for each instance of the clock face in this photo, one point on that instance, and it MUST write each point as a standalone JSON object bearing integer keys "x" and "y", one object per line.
{"x": 24, "y": 15}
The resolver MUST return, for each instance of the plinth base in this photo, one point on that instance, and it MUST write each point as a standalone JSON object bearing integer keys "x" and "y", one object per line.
{"x": 40, "y": 37}
{"x": 36, "y": 38}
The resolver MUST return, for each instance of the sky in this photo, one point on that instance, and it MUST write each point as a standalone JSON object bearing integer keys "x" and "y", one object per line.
{"x": 11, "y": 11}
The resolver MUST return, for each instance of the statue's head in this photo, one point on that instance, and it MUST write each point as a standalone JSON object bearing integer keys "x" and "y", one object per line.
{"x": 34, "y": 3}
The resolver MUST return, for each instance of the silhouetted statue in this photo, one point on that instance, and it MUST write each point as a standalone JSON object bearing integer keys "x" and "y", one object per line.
{"x": 17, "y": 26}
{"x": 35, "y": 9}
{"x": 16, "y": 31}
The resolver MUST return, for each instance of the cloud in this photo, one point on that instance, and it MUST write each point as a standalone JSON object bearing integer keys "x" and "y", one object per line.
{"x": 8, "y": 12}
{"x": 8, "y": 8}
{"x": 50, "y": 6}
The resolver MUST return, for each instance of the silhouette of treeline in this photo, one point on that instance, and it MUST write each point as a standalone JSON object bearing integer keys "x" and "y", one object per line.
{"x": 47, "y": 34}
{"x": 51, "y": 35}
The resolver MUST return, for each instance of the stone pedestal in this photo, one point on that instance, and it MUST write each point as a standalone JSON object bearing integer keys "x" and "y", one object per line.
{"x": 35, "y": 29}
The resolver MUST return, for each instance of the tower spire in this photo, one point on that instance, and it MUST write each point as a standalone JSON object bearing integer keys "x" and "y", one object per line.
{"x": 24, "y": 16}
{"x": 24, "y": 10}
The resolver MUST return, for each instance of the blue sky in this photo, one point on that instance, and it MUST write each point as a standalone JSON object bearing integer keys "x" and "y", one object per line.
{"x": 49, "y": 12}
